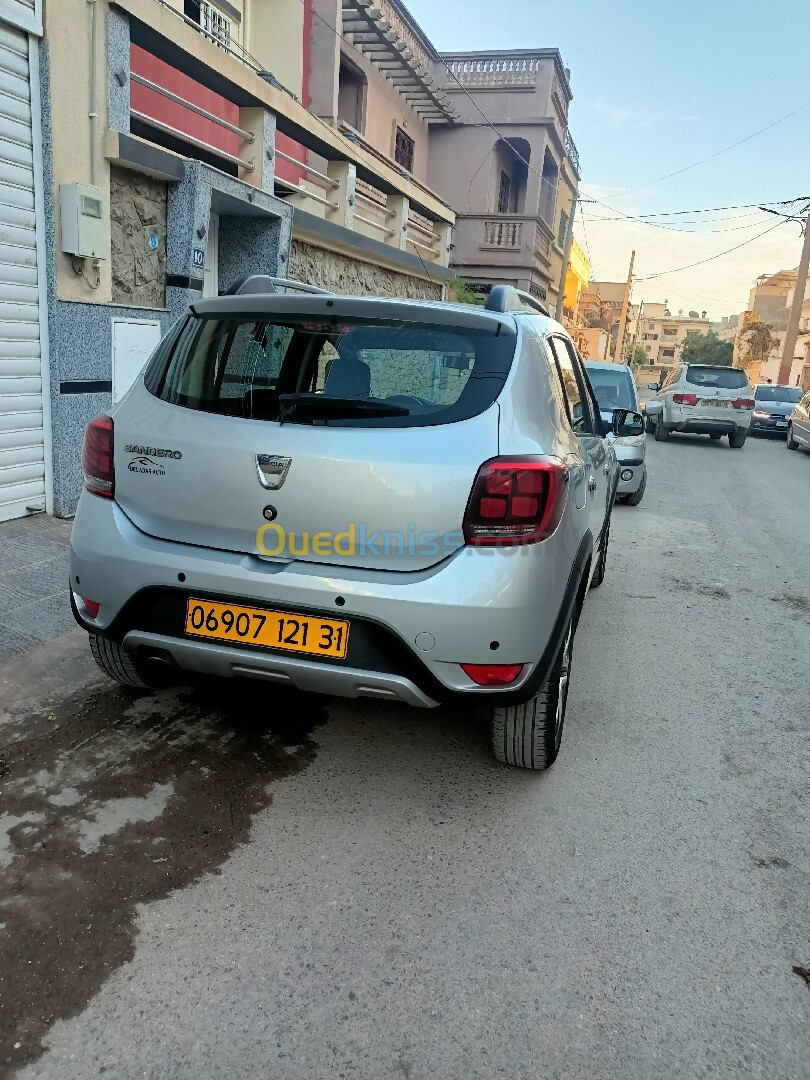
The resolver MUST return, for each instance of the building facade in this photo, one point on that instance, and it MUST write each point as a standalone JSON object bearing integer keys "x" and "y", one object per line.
{"x": 769, "y": 305}
{"x": 513, "y": 189}
{"x": 662, "y": 334}
{"x": 177, "y": 157}
{"x": 577, "y": 277}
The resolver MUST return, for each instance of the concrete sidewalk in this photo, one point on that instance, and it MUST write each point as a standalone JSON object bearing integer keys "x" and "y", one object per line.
{"x": 34, "y": 605}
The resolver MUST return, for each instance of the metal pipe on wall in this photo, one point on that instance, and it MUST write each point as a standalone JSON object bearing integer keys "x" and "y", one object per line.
{"x": 93, "y": 111}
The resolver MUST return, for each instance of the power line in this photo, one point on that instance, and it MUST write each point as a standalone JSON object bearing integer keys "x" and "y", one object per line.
{"x": 707, "y": 209}
{"x": 711, "y": 258}
{"x": 711, "y": 157}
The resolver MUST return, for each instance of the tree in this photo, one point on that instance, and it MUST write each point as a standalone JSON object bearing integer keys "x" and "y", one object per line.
{"x": 707, "y": 349}
{"x": 638, "y": 356}
{"x": 757, "y": 341}
{"x": 462, "y": 293}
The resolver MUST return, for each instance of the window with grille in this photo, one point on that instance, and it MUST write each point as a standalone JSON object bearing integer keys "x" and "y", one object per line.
{"x": 562, "y": 232}
{"x": 211, "y": 20}
{"x": 403, "y": 150}
{"x": 504, "y": 190}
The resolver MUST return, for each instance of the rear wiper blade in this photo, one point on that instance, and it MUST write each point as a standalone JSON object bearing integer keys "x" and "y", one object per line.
{"x": 319, "y": 405}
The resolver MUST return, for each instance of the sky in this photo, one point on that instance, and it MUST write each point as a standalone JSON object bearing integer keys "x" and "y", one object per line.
{"x": 658, "y": 86}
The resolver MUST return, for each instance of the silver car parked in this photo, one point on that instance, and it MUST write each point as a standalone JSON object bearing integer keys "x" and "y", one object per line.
{"x": 391, "y": 499}
{"x": 615, "y": 388}
{"x": 798, "y": 429}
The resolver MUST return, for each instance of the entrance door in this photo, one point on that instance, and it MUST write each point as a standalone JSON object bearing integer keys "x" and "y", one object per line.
{"x": 22, "y": 453}
{"x": 134, "y": 341}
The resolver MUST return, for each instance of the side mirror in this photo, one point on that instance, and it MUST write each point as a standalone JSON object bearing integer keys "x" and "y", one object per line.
{"x": 654, "y": 408}
{"x": 627, "y": 423}
{"x": 653, "y": 386}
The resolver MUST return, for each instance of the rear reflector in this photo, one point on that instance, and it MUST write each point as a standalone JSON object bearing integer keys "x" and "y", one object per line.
{"x": 91, "y": 607}
{"x": 97, "y": 457}
{"x": 516, "y": 501}
{"x": 493, "y": 674}
{"x": 743, "y": 403}
{"x": 684, "y": 399}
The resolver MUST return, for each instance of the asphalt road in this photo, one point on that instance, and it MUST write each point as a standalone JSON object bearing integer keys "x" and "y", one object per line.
{"x": 217, "y": 882}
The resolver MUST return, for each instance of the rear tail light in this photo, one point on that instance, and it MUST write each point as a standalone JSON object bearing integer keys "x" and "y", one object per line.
{"x": 91, "y": 607}
{"x": 97, "y": 457}
{"x": 684, "y": 399}
{"x": 743, "y": 403}
{"x": 493, "y": 674}
{"x": 516, "y": 501}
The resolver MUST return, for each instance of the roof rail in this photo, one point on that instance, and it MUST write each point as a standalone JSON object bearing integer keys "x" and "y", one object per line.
{"x": 263, "y": 283}
{"x": 508, "y": 298}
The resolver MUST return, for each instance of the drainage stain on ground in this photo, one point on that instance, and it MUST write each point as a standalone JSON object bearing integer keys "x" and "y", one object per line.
{"x": 112, "y": 799}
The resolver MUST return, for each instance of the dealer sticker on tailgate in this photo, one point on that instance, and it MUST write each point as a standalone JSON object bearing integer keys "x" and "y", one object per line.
{"x": 270, "y": 629}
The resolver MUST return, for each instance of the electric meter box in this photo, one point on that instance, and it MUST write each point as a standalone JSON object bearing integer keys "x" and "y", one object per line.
{"x": 84, "y": 221}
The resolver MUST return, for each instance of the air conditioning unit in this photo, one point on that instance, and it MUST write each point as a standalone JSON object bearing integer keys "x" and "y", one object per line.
{"x": 84, "y": 221}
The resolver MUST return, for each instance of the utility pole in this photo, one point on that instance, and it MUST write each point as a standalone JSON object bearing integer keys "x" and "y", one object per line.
{"x": 796, "y": 308}
{"x": 617, "y": 354}
{"x": 569, "y": 236}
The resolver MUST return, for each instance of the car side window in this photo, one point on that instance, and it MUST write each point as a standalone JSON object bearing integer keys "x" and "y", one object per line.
{"x": 572, "y": 385}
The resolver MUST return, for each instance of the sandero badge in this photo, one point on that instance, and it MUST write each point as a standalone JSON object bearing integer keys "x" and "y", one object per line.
{"x": 272, "y": 470}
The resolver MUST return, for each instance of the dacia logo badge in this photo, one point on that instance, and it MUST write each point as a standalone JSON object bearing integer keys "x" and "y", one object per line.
{"x": 272, "y": 470}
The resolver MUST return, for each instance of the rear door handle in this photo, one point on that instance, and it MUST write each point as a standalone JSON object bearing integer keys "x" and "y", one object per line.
{"x": 592, "y": 483}
{"x": 607, "y": 469}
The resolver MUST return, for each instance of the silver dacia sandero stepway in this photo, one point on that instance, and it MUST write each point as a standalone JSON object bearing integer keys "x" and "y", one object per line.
{"x": 364, "y": 497}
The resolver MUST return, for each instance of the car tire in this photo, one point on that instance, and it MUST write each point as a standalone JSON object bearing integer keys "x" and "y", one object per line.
{"x": 635, "y": 497}
{"x": 649, "y": 425}
{"x": 661, "y": 432}
{"x": 116, "y": 663}
{"x": 716, "y": 436}
{"x": 738, "y": 439}
{"x": 791, "y": 442}
{"x": 528, "y": 736}
{"x": 601, "y": 559}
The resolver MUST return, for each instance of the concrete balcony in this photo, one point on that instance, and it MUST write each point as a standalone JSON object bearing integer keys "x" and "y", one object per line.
{"x": 504, "y": 247}
{"x": 237, "y": 119}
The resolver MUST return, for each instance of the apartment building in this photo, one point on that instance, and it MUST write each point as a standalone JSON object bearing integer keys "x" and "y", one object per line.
{"x": 661, "y": 334}
{"x": 769, "y": 304}
{"x": 513, "y": 189}
{"x": 177, "y": 155}
{"x": 577, "y": 277}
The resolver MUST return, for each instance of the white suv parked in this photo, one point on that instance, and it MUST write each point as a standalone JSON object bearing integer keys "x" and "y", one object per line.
{"x": 701, "y": 399}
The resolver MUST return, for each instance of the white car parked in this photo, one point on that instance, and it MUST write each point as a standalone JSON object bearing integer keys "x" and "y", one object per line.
{"x": 702, "y": 399}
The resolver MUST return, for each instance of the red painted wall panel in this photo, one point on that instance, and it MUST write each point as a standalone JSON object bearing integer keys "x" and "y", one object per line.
{"x": 153, "y": 104}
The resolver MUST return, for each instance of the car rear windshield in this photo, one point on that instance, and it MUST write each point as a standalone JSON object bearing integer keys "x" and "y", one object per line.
{"x": 613, "y": 389}
{"x": 791, "y": 394}
{"x": 346, "y": 372}
{"x": 721, "y": 378}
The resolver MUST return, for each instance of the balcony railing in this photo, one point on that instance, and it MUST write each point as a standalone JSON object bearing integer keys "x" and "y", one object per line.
{"x": 213, "y": 31}
{"x": 503, "y": 234}
{"x": 572, "y": 153}
{"x": 518, "y": 72}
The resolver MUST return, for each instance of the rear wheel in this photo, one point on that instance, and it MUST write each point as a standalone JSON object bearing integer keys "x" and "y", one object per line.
{"x": 791, "y": 442}
{"x": 116, "y": 663}
{"x": 738, "y": 439}
{"x": 661, "y": 431}
{"x": 529, "y": 735}
{"x": 635, "y": 498}
{"x": 649, "y": 425}
{"x": 715, "y": 436}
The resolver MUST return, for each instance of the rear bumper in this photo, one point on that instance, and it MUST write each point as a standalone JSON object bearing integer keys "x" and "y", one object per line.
{"x": 505, "y": 606}
{"x": 706, "y": 421}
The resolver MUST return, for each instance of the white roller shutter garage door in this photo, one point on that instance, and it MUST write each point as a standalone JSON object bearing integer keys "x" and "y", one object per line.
{"x": 22, "y": 457}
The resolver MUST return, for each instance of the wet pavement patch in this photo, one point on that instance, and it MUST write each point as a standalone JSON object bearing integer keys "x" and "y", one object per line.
{"x": 112, "y": 799}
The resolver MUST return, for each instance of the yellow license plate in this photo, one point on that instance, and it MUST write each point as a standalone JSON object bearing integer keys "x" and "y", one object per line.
{"x": 271, "y": 629}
